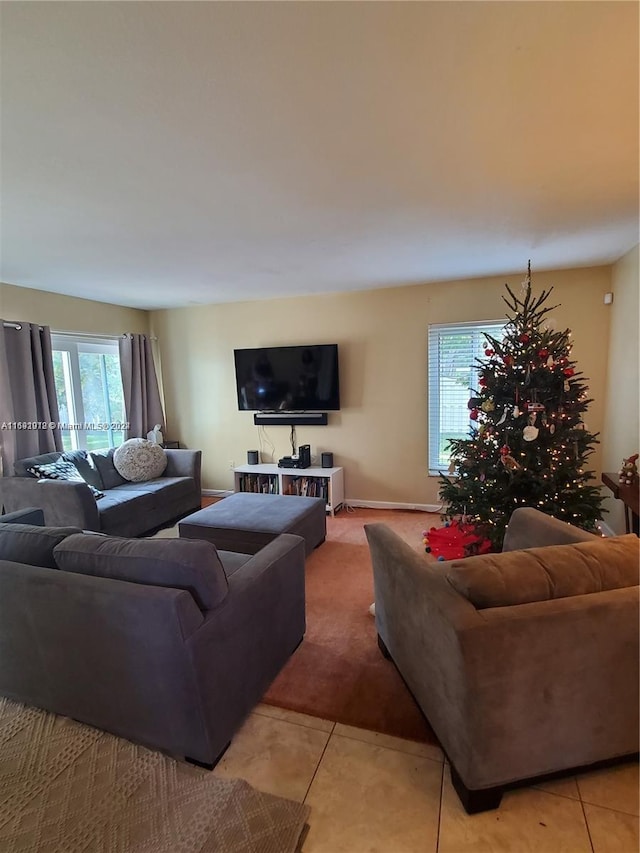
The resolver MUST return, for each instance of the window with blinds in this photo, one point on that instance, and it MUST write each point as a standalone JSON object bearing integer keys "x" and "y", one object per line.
{"x": 453, "y": 348}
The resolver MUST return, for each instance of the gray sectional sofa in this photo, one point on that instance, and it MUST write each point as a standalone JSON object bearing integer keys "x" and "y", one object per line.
{"x": 166, "y": 642}
{"x": 525, "y": 662}
{"x": 127, "y": 509}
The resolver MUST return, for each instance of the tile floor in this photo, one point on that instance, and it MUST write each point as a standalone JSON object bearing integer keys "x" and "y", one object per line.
{"x": 370, "y": 793}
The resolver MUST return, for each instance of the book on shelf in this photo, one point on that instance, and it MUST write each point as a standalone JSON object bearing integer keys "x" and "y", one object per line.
{"x": 266, "y": 484}
{"x": 311, "y": 487}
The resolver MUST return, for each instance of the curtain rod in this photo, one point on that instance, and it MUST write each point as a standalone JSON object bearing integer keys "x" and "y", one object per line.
{"x": 92, "y": 335}
{"x": 77, "y": 334}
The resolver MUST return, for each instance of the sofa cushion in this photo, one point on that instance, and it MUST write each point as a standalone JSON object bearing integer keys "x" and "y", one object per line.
{"x": 187, "y": 564}
{"x": 118, "y": 506}
{"x": 103, "y": 460}
{"x": 554, "y": 571}
{"x": 168, "y": 488}
{"x": 61, "y": 469}
{"x": 32, "y": 544}
{"x": 139, "y": 459}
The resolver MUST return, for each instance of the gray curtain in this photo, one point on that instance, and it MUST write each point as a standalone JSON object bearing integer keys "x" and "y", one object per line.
{"x": 142, "y": 405}
{"x": 27, "y": 393}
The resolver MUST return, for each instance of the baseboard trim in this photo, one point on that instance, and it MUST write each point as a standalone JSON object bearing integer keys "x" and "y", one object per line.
{"x": 394, "y": 505}
{"x": 217, "y": 493}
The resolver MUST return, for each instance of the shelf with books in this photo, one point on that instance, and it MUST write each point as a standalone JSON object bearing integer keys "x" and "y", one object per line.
{"x": 326, "y": 483}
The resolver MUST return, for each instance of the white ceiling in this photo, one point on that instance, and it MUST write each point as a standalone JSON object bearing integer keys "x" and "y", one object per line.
{"x": 157, "y": 154}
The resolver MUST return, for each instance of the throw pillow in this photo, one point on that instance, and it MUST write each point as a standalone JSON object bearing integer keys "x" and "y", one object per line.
{"x": 31, "y": 544}
{"x": 103, "y": 460}
{"x": 190, "y": 564}
{"x": 138, "y": 459}
{"x": 61, "y": 469}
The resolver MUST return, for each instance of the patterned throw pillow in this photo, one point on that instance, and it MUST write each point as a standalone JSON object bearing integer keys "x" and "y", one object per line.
{"x": 61, "y": 469}
{"x": 138, "y": 460}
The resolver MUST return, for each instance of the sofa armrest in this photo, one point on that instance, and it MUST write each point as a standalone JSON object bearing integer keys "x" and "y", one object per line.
{"x": 530, "y": 528}
{"x": 30, "y": 515}
{"x": 244, "y": 643}
{"x": 65, "y": 504}
{"x": 184, "y": 463}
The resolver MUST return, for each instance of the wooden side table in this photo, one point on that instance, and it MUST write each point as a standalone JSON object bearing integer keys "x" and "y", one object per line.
{"x": 629, "y": 495}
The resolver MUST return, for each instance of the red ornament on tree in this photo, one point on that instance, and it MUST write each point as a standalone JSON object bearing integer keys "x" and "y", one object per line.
{"x": 508, "y": 360}
{"x": 568, "y": 371}
{"x": 524, "y": 338}
{"x": 489, "y": 352}
{"x": 473, "y": 414}
{"x": 482, "y": 382}
{"x": 543, "y": 353}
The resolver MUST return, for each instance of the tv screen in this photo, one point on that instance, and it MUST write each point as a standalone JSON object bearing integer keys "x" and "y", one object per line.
{"x": 288, "y": 379}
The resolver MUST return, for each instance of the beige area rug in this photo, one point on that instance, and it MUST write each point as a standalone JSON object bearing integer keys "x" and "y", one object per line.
{"x": 66, "y": 788}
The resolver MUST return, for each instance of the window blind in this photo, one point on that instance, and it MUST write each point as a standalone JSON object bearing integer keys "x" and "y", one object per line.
{"x": 452, "y": 372}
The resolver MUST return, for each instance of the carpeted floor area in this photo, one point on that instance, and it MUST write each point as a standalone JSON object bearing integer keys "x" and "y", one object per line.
{"x": 338, "y": 672}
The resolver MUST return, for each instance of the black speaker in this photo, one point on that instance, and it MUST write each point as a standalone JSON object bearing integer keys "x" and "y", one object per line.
{"x": 253, "y": 457}
{"x": 327, "y": 460}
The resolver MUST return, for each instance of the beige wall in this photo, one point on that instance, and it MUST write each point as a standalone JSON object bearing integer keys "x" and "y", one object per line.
{"x": 380, "y": 436}
{"x": 621, "y": 434}
{"x": 68, "y": 313}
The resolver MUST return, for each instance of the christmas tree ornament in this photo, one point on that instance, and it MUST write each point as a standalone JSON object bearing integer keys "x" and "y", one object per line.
{"x": 473, "y": 414}
{"x": 503, "y": 417}
{"x": 516, "y": 412}
{"x": 568, "y": 371}
{"x": 628, "y": 473}
{"x": 510, "y": 463}
{"x": 524, "y": 338}
{"x": 543, "y": 353}
{"x": 488, "y": 406}
{"x": 552, "y": 429}
{"x": 489, "y": 352}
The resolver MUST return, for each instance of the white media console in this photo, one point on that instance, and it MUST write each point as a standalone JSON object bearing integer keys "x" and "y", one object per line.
{"x": 327, "y": 483}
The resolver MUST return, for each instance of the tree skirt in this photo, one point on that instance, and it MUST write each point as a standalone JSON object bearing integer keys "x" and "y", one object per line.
{"x": 68, "y": 787}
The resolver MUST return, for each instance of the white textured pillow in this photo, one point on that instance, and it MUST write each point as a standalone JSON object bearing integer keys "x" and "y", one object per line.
{"x": 138, "y": 459}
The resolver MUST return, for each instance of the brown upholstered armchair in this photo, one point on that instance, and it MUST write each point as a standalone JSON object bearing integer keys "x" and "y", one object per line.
{"x": 525, "y": 662}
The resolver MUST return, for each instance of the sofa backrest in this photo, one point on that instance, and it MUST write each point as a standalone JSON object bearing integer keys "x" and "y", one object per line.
{"x": 31, "y": 544}
{"x": 541, "y": 574}
{"x": 21, "y": 466}
{"x": 189, "y": 564}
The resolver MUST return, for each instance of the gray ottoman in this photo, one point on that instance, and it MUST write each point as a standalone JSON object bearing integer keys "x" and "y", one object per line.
{"x": 246, "y": 522}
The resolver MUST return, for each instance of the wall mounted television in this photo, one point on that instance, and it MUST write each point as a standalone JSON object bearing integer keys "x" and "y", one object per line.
{"x": 288, "y": 379}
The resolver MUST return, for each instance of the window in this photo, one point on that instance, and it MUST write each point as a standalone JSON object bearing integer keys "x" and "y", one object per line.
{"x": 89, "y": 391}
{"x": 453, "y": 348}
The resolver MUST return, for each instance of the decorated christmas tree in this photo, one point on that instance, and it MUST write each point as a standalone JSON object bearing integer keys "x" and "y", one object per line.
{"x": 528, "y": 444}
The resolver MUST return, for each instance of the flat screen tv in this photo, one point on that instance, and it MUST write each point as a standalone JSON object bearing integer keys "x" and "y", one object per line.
{"x": 288, "y": 379}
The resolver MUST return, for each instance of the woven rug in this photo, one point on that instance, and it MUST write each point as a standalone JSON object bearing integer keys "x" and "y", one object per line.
{"x": 66, "y": 788}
